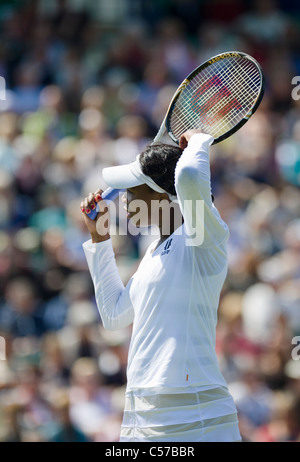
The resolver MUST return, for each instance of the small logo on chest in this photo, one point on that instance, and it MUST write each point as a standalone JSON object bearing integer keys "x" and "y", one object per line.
{"x": 167, "y": 247}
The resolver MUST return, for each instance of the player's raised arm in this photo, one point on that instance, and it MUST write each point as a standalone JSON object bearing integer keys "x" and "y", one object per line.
{"x": 193, "y": 186}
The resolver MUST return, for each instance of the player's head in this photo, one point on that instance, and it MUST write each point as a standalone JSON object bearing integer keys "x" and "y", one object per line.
{"x": 159, "y": 162}
{"x": 149, "y": 182}
{"x": 155, "y": 167}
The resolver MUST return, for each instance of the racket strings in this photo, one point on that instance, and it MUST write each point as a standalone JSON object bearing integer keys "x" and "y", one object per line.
{"x": 246, "y": 99}
{"x": 210, "y": 99}
{"x": 217, "y": 98}
{"x": 207, "y": 94}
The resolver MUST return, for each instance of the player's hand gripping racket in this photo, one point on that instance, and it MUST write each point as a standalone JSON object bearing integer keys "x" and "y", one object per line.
{"x": 218, "y": 97}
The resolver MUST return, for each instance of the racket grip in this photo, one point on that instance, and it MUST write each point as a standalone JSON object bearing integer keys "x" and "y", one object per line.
{"x": 108, "y": 195}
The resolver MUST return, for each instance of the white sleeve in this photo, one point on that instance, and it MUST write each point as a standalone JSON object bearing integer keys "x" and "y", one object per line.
{"x": 112, "y": 297}
{"x": 192, "y": 182}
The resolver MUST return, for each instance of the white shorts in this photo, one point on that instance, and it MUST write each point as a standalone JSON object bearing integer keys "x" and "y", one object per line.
{"x": 202, "y": 416}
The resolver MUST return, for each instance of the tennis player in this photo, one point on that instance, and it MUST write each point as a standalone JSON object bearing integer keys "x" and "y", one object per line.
{"x": 175, "y": 390}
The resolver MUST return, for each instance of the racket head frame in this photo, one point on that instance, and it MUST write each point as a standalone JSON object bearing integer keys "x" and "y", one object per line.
{"x": 167, "y": 121}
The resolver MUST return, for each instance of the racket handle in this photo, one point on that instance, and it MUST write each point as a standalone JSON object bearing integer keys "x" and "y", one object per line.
{"x": 108, "y": 195}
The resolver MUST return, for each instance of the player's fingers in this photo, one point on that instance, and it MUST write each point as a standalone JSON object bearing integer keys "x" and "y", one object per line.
{"x": 91, "y": 201}
{"x": 88, "y": 203}
{"x": 90, "y": 197}
{"x": 98, "y": 195}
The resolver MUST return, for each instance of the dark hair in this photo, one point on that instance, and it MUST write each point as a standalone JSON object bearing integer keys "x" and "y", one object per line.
{"x": 159, "y": 161}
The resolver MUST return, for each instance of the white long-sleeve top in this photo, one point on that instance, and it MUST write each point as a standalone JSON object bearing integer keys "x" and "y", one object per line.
{"x": 172, "y": 299}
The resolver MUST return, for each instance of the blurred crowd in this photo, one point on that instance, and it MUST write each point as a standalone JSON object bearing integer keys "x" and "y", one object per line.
{"x": 87, "y": 85}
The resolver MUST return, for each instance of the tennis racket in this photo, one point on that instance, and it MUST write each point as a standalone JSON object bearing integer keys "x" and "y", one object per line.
{"x": 218, "y": 97}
